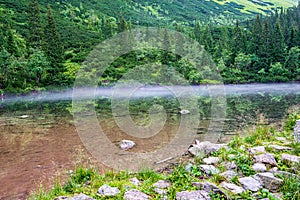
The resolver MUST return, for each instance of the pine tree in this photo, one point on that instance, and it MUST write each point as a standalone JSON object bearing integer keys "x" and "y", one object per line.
{"x": 265, "y": 50}
{"x": 279, "y": 46}
{"x": 256, "y": 39}
{"x": 239, "y": 43}
{"x": 34, "y": 24}
{"x": 53, "y": 46}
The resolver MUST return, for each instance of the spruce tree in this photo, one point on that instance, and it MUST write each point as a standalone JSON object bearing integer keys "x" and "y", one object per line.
{"x": 53, "y": 46}
{"x": 278, "y": 44}
{"x": 256, "y": 39}
{"x": 265, "y": 50}
{"x": 34, "y": 24}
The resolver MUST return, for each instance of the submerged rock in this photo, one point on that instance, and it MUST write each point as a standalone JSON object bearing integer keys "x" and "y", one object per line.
{"x": 135, "y": 195}
{"x": 126, "y": 144}
{"x": 196, "y": 194}
{"x": 184, "y": 112}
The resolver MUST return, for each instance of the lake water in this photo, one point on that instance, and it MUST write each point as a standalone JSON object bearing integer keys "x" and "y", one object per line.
{"x": 39, "y": 137}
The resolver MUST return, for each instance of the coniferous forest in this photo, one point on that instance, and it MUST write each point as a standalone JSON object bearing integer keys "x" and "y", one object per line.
{"x": 43, "y": 46}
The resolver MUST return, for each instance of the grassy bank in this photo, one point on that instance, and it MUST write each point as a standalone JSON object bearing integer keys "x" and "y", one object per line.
{"x": 88, "y": 180}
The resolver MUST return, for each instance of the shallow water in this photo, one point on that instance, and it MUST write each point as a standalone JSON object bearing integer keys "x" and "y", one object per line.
{"x": 38, "y": 137}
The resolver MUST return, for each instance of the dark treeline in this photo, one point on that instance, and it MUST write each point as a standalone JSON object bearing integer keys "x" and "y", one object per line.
{"x": 261, "y": 50}
{"x": 44, "y": 48}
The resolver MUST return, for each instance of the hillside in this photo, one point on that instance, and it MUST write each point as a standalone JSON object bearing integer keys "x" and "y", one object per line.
{"x": 258, "y": 50}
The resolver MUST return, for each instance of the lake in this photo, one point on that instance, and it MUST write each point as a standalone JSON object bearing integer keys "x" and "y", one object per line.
{"x": 42, "y": 134}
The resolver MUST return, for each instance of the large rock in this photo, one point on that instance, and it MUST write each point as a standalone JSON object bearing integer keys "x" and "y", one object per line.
{"x": 279, "y": 148}
{"x": 135, "y": 195}
{"x": 269, "y": 181}
{"x": 265, "y": 158}
{"x": 290, "y": 158}
{"x": 250, "y": 183}
{"x": 106, "y": 190}
{"x": 211, "y": 160}
{"x": 232, "y": 187}
{"x": 228, "y": 175}
{"x": 200, "y": 149}
{"x": 257, "y": 150}
{"x": 193, "y": 195}
{"x": 259, "y": 167}
{"x": 209, "y": 169}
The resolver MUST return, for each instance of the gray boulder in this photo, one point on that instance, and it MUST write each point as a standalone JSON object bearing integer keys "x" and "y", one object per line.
{"x": 266, "y": 158}
{"x": 257, "y": 150}
{"x": 200, "y": 149}
{"x": 106, "y": 190}
{"x": 135, "y": 181}
{"x": 230, "y": 165}
{"x": 193, "y": 195}
{"x": 135, "y": 195}
{"x": 211, "y": 160}
{"x": 232, "y": 187}
{"x": 250, "y": 183}
{"x": 290, "y": 158}
{"x": 269, "y": 181}
{"x": 228, "y": 175}
{"x": 209, "y": 169}
{"x": 78, "y": 197}
{"x": 162, "y": 184}
{"x": 279, "y": 148}
{"x": 259, "y": 167}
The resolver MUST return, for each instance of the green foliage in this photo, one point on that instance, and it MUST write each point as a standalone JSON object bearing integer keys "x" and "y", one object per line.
{"x": 265, "y": 49}
{"x": 291, "y": 121}
{"x": 290, "y": 188}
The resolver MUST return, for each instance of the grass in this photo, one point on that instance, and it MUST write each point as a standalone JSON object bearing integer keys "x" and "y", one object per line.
{"x": 251, "y": 6}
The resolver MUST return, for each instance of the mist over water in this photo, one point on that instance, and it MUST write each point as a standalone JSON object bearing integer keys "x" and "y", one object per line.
{"x": 153, "y": 91}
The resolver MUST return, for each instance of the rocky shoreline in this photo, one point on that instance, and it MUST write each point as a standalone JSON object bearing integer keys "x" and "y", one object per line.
{"x": 258, "y": 166}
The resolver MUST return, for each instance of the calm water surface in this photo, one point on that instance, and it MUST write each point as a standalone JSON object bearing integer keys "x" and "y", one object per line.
{"x": 38, "y": 137}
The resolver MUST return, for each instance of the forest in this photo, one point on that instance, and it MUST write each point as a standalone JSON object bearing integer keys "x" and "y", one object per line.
{"x": 43, "y": 46}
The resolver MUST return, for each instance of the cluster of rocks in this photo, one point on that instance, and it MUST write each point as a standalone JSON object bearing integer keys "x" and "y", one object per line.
{"x": 263, "y": 160}
{"x": 265, "y": 166}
